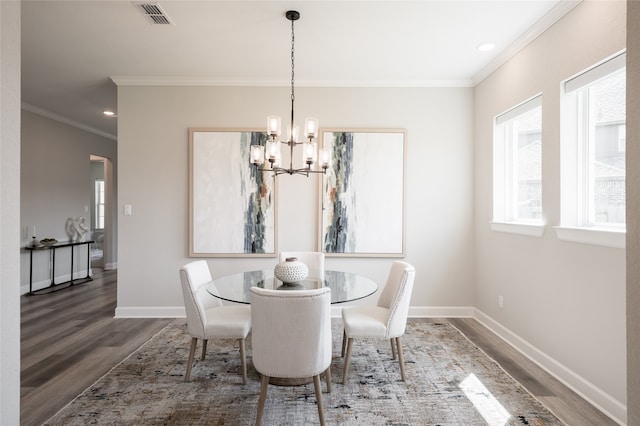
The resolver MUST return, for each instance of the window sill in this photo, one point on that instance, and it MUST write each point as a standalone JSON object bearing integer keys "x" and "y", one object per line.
{"x": 531, "y": 230}
{"x": 595, "y": 236}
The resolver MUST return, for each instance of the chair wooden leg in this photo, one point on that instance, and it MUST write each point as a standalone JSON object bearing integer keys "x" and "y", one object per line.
{"x": 204, "y": 348}
{"x": 346, "y": 361}
{"x": 192, "y": 352}
{"x": 243, "y": 362}
{"x": 327, "y": 376}
{"x": 393, "y": 349}
{"x": 318, "y": 388}
{"x": 400, "y": 358}
{"x": 344, "y": 342}
{"x": 263, "y": 396}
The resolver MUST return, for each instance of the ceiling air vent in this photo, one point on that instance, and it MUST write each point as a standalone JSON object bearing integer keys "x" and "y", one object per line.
{"x": 154, "y": 13}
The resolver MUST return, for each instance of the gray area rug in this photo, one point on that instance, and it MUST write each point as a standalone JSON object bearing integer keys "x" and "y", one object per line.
{"x": 449, "y": 382}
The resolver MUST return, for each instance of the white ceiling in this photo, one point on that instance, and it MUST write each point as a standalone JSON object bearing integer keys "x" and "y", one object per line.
{"x": 71, "y": 50}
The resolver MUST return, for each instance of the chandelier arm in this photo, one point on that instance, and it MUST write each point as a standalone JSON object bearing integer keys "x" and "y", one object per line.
{"x": 290, "y": 171}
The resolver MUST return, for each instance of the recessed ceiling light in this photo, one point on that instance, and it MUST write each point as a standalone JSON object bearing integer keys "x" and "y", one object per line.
{"x": 109, "y": 113}
{"x": 485, "y": 47}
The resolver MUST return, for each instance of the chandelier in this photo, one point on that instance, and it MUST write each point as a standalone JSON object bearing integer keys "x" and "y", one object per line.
{"x": 271, "y": 150}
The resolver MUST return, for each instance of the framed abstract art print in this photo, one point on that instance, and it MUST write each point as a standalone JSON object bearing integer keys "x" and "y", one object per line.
{"x": 232, "y": 206}
{"x": 362, "y": 194}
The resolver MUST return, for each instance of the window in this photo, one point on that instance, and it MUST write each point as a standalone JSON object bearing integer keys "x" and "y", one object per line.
{"x": 99, "y": 207}
{"x": 593, "y": 148}
{"x": 517, "y": 164}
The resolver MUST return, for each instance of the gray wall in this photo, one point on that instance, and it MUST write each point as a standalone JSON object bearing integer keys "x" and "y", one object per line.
{"x": 55, "y": 186}
{"x": 153, "y": 161}
{"x": 9, "y": 212}
{"x": 564, "y": 302}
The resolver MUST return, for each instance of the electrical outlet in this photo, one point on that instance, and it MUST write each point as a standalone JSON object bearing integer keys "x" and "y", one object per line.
{"x": 500, "y": 302}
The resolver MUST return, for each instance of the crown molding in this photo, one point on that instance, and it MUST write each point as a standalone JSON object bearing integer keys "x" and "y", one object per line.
{"x": 210, "y": 81}
{"x": 56, "y": 117}
{"x": 553, "y": 16}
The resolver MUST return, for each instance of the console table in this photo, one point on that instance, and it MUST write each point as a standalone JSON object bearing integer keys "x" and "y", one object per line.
{"x": 52, "y": 248}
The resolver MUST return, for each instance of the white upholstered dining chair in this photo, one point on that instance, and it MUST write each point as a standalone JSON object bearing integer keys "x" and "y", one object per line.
{"x": 207, "y": 317}
{"x": 387, "y": 320}
{"x": 291, "y": 338}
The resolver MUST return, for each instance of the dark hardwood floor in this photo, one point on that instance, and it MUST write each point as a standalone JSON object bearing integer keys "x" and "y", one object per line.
{"x": 69, "y": 339}
{"x": 555, "y": 396}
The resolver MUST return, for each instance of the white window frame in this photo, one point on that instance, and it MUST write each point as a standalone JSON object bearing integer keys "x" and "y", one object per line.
{"x": 99, "y": 188}
{"x": 575, "y": 224}
{"x": 504, "y": 177}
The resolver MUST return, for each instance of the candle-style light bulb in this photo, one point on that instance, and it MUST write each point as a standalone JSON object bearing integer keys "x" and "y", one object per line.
{"x": 277, "y": 159}
{"x": 273, "y": 150}
{"x": 309, "y": 152}
{"x": 325, "y": 156}
{"x": 257, "y": 155}
{"x": 293, "y": 134}
{"x": 273, "y": 125}
{"x": 311, "y": 127}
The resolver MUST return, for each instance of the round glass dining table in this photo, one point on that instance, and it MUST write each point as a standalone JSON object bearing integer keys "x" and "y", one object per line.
{"x": 345, "y": 286}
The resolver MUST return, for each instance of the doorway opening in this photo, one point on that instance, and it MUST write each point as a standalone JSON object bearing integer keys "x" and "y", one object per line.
{"x": 100, "y": 223}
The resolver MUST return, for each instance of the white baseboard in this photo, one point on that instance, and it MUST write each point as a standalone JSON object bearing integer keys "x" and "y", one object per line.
{"x": 336, "y": 312}
{"x": 604, "y": 402}
{"x": 441, "y": 312}
{"x": 423, "y": 312}
{"x": 110, "y": 266}
{"x": 151, "y": 312}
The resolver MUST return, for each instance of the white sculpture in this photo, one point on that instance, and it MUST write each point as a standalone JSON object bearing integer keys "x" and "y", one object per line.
{"x": 83, "y": 229}
{"x": 68, "y": 227}
{"x": 76, "y": 229}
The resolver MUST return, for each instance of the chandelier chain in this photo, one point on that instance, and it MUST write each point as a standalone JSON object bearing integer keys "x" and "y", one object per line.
{"x": 293, "y": 96}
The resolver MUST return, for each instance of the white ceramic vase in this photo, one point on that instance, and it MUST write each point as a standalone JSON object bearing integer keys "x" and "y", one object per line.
{"x": 291, "y": 270}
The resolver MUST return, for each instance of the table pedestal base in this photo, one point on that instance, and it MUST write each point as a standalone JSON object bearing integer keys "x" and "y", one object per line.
{"x": 290, "y": 381}
{"x": 282, "y": 381}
